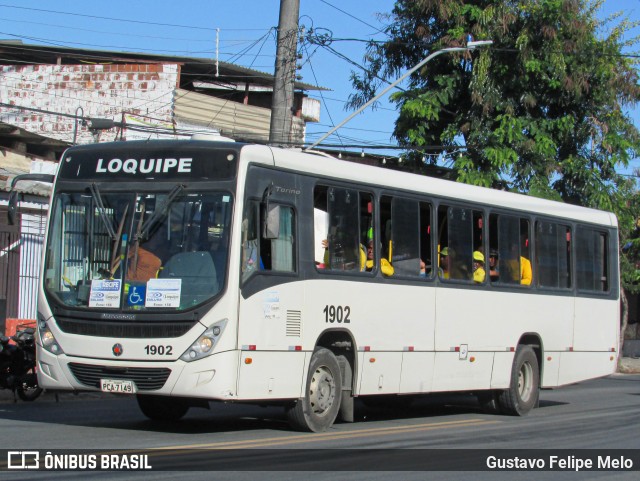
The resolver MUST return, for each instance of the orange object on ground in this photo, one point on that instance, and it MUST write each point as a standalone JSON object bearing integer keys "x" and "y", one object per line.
{"x": 13, "y": 325}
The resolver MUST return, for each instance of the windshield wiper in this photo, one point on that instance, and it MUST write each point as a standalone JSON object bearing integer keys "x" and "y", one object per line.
{"x": 95, "y": 193}
{"x": 159, "y": 213}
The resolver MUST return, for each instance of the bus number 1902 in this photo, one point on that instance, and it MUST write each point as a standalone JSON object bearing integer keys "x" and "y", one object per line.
{"x": 337, "y": 314}
{"x": 153, "y": 350}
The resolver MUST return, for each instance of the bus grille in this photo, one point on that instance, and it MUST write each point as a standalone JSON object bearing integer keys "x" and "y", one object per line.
{"x": 124, "y": 329}
{"x": 146, "y": 378}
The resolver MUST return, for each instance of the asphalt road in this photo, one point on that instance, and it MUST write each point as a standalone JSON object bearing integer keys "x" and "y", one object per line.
{"x": 597, "y": 415}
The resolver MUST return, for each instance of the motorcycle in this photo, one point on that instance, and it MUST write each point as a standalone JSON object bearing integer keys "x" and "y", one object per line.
{"x": 18, "y": 364}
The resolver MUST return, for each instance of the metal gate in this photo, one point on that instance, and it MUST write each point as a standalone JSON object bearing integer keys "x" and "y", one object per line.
{"x": 20, "y": 258}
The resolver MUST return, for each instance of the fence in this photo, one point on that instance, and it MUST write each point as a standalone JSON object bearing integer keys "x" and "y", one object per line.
{"x": 20, "y": 260}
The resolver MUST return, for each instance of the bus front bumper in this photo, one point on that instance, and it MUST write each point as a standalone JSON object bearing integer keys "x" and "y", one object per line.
{"x": 213, "y": 377}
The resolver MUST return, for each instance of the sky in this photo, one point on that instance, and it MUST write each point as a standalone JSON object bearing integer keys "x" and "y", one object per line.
{"x": 245, "y": 37}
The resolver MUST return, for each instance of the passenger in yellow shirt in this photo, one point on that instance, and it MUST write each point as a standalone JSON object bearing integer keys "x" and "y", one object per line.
{"x": 526, "y": 274}
{"x": 385, "y": 266}
{"x": 443, "y": 269}
{"x": 366, "y": 259}
{"x": 479, "y": 273}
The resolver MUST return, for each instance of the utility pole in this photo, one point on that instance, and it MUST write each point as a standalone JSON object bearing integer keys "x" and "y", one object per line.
{"x": 286, "y": 57}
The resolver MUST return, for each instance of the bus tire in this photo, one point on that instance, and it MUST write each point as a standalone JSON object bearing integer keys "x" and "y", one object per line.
{"x": 522, "y": 395}
{"x": 162, "y": 408}
{"x": 319, "y": 407}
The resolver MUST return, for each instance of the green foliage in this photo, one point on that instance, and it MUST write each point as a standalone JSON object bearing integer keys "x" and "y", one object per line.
{"x": 543, "y": 110}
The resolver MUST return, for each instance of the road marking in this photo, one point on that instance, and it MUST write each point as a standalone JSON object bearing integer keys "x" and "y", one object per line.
{"x": 332, "y": 436}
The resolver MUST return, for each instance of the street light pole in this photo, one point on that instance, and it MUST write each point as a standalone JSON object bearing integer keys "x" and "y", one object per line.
{"x": 470, "y": 46}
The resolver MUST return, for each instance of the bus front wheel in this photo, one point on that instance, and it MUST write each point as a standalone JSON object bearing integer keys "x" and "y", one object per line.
{"x": 162, "y": 408}
{"x": 319, "y": 407}
{"x": 523, "y": 392}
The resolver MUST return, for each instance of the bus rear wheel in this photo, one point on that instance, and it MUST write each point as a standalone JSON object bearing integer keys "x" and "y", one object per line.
{"x": 162, "y": 408}
{"x": 319, "y": 407}
{"x": 522, "y": 395}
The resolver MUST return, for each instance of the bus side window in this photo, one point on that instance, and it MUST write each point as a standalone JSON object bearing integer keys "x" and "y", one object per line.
{"x": 553, "y": 260}
{"x": 250, "y": 244}
{"x": 279, "y": 249}
{"x": 509, "y": 250}
{"x": 461, "y": 233}
{"x": 342, "y": 220}
{"x": 428, "y": 265}
{"x": 401, "y": 235}
{"x": 265, "y": 249}
{"x": 591, "y": 260}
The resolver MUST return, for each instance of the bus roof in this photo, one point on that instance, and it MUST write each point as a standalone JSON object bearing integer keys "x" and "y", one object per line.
{"x": 326, "y": 166}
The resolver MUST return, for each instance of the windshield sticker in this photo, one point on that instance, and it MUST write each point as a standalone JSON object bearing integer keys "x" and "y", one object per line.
{"x": 163, "y": 293}
{"x": 271, "y": 306}
{"x": 105, "y": 293}
{"x": 137, "y": 295}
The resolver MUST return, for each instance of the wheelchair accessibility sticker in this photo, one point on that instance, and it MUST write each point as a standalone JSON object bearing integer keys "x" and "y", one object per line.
{"x": 137, "y": 295}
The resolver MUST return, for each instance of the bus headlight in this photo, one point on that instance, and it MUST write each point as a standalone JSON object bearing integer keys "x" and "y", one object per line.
{"x": 205, "y": 343}
{"x": 48, "y": 340}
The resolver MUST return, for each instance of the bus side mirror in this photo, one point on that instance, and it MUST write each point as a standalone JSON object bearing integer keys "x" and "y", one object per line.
{"x": 271, "y": 228}
{"x": 14, "y": 196}
{"x": 12, "y": 207}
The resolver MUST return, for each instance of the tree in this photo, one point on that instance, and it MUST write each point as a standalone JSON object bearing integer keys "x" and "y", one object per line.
{"x": 542, "y": 111}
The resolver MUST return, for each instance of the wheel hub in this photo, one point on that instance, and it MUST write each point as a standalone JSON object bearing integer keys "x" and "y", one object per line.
{"x": 322, "y": 391}
{"x": 525, "y": 381}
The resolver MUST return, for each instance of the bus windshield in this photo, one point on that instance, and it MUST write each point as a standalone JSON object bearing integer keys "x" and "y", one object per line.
{"x": 164, "y": 250}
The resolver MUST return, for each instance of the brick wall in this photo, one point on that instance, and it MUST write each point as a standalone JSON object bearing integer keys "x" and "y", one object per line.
{"x": 142, "y": 92}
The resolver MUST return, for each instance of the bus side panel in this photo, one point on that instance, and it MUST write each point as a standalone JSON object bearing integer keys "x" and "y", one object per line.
{"x": 596, "y": 324}
{"x": 573, "y": 365}
{"x": 550, "y": 369}
{"x": 273, "y": 319}
{"x": 380, "y": 372}
{"x": 271, "y": 375}
{"x": 479, "y": 319}
{"x": 550, "y": 317}
{"x": 453, "y": 371}
{"x": 501, "y": 373}
{"x": 417, "y": 372}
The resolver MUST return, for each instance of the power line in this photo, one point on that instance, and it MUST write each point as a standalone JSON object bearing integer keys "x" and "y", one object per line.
{"x": 57, "y": 12}
{"x": 62, "y": 43}
{"x": 378, "y": 30}
{"x": 127, "y": 34}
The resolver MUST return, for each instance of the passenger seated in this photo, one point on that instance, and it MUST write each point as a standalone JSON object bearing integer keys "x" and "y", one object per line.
{"x": 385, "y": 266}
{"x": 526, "y": 274}
{"x": 494, "y": 273}
{"x": 479, "y": 273}
{"x": 443, "y": 270}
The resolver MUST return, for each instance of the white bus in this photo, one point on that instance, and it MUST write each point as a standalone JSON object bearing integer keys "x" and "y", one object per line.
{"x": 184, "y": 272}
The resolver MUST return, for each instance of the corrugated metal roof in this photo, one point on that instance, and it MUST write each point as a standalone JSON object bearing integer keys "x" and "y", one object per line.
{"x": 232, "y": 119}
{"x": 40, "y": 189}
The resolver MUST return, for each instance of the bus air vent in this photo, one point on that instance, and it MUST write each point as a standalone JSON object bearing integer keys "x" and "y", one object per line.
{"x": 294, "y": 323}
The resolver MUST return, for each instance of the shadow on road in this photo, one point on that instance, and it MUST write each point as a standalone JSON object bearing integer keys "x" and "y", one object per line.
{"x": 120, "y": 412}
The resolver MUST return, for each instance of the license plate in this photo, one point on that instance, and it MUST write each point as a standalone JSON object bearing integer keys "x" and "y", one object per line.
{"x": 117, "y": 386}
